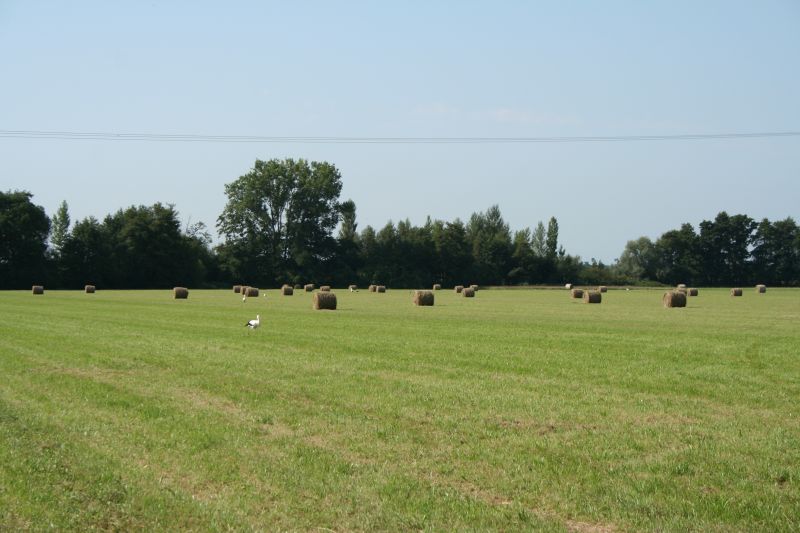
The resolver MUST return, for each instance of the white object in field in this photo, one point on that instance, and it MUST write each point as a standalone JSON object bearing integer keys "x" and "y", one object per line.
{"x": 253, "y": 324}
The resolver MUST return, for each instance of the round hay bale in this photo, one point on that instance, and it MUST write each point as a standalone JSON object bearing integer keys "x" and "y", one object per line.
{"x": 324, "y": 300}
{"x": 352, "y": 288}
{"x": 373, "y": 288}
{"x": 568, "y": 286}
{"x": 437, "y": 286}
{"x": 761, "y": 289}
{"x": 423, "y": 297}
{"x": 674, "y": 299}
{"x": 602, "y": 289}
{"x": 298, "y": 286}
{"x": 592, "y": 297}
{"x": 576, "y": 293}
{"x": 325, "y": 288}
{"x": 684, "y": 290}
{"x": 251, "y": 291}
{"x": 692, "y": 292}
{"x": 468, "y": 292}
{"x": 287, "y": 290}
{"x": 737, "y": 292}
{"x": 380, "y": 288}
{"x": 681, "y": 286}
{"x": 309, "y": 287}
{"x": 37, "y": 289}
{"x": 237, "y": 289}
{"x": 473, "y": 287}
{"x": 89, "y": 289}
{"x": 180, "y": 293}
{"x": 459, "y": 288}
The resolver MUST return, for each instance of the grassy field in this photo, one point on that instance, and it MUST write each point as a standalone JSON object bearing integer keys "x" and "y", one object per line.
{"x": 515, "y": 410}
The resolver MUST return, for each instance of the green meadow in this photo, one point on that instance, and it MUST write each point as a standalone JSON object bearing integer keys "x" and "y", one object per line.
{"x": 513, "y": 410}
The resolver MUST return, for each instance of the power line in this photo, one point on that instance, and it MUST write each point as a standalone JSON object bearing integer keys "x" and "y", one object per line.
{"x": 165, "y": 137}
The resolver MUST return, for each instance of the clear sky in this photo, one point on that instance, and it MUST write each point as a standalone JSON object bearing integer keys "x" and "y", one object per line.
{"x": 414, "y": 69}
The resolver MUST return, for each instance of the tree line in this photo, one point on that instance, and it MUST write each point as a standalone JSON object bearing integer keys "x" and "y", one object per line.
{"x": 280, "y": 222}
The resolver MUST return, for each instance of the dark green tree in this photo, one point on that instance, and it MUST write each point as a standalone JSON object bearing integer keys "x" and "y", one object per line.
{"x": 491, "y": 246}
{"x": 279, "y": 219}
{"x": 724, "y": 249}
{"x": 23, "y": 241}
{"x": 86, "y": 256}
{"x": 453, "y": 252}
{"x": 348, "y": 253}
{"x": 676, "y": 256}
{"x": 148, "y": 249}
{"x": 776, "y": 252}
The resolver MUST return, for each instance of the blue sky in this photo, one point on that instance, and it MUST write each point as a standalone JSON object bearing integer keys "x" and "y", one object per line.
{"x": 414, "y": 69}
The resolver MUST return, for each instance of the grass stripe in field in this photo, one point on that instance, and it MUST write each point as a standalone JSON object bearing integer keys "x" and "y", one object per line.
{"x": 512, "y": 410}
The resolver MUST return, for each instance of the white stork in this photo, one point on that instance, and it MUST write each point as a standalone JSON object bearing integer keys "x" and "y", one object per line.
{"x": 253, "y": 324}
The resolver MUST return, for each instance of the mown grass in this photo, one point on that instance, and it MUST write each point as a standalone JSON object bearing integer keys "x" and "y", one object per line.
{"x": 515, "y": 410}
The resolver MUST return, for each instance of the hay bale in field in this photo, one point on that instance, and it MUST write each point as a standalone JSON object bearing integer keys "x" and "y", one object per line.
{"x": 468, "y": 292}
{"x": 287, "y": 290}
{"x": 761, "y": 289}
{"x": 309, "y": 287}
{"x": 251, "y": 291}
{"x": 674, "y": 299}
{"x": 458, "y": 289}
{"x": 437, "y": 286}
{"x": 180, "y": 293}
{"x": 373, "y": 288}
{"x": 576, "y": 293}
{"x": 681, "y": 286}
{"x": 324, "y": 300}
{"x": 380, "y": 288}
{"x": 325, "y": 288}
{"x": 473, "y": 287}
{"x": 737, "y": 292}
{"x": 682, "y": 289}
{"x": 568, "y": 286}
{"x": 692, "y": 291}
{"x": 37, "y": 289}
{"x": 298, "y": 286}
{"x": 592, "y": 297}
{"x": 89, "y": 289}
{"x": 602, "y": 289}
{"x": 352, "y": 288}
{"x": 423, "y": 297}
{"x": 237, "y": 289}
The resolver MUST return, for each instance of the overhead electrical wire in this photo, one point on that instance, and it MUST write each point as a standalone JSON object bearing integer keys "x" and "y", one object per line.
{"x": 166, "y": 137}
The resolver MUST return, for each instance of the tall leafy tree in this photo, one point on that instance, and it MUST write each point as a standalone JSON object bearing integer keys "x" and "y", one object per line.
{"x": 677, "y": 257}
{"x": 59, "y": 228}
{"x": 148, "y": 249}
{"x": 551, "y": 241}
{"x": 280, "y": 216}
{"x": 368, "y": 241}
{"x": 23, "y": 240}
{"x": 776, "y": 252}
{"x": 453, "y": 252}
{"x": 491, "y": 245}
{"x": 523, "y": 257}
{"x": 347, "y": 230}
{"x": 637, "y": 261}
{"x": 348, "y": 257}
{"x": 539, "y": 240}
{"x": 86, "y": 255}
{"x": 723, "y": 247}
